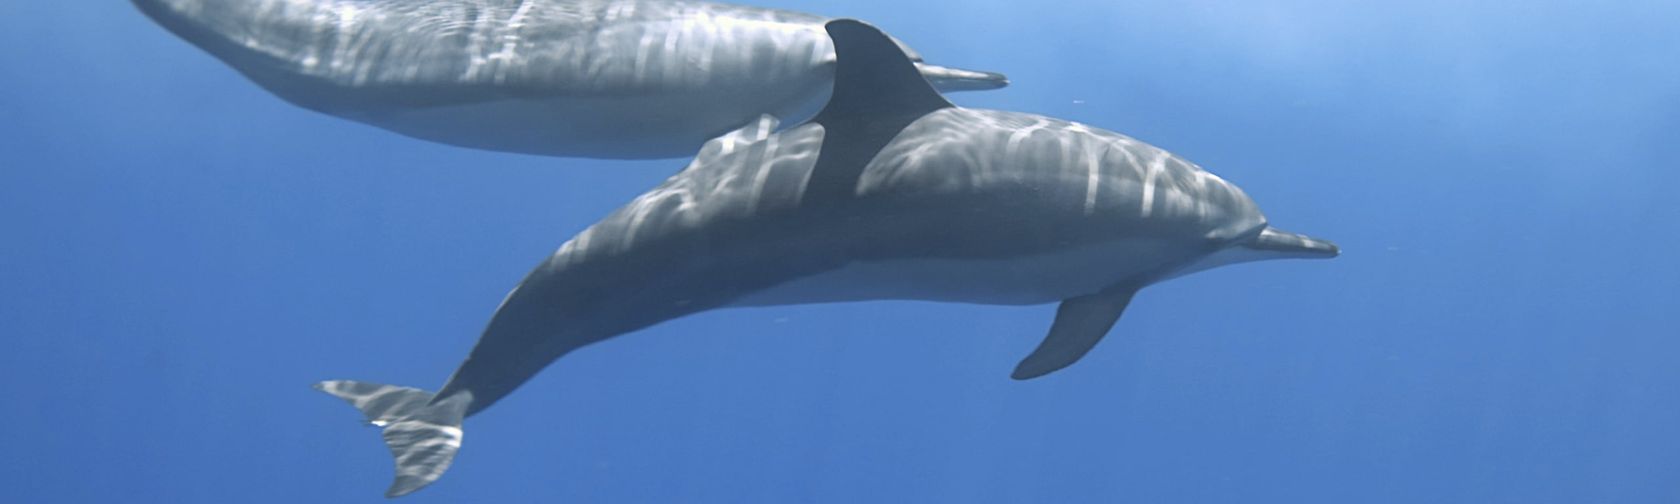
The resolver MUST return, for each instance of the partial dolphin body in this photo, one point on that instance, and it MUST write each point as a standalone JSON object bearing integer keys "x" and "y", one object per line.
{"x": 626, "y": 79}
{"x": 889, "y": 193}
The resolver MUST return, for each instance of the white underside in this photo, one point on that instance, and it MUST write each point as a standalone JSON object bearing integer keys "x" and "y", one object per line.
{"x": 1038, "y": 279}
{"x": 660, "y": 125}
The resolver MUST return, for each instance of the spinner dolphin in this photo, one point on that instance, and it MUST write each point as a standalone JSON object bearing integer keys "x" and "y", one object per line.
{"x": 587, "y": 78}
{"x": 889, "y": 193}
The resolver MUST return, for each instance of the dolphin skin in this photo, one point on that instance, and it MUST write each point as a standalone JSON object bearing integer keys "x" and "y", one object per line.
{"x": 890, "y": 192}
{"x": 626, "y": 79}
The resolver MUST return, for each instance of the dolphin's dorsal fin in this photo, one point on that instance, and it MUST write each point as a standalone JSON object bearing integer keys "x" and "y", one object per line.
{"x": 1080, "y": 323}
{"x": 877, "y": 92}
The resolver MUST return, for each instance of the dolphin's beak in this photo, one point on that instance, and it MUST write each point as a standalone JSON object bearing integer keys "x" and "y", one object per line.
{"x": 1288, "y": 244}
{"x": 956, "y": 79}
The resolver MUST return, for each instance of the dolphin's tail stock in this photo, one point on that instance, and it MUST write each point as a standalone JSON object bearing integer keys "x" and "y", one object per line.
{"x": 423, "y": 433}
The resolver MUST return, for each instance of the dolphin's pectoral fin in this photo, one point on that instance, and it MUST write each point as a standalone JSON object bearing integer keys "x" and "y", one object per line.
{"x": 736, "y": 139}
{"x": 1080, "y": 323}
{"x": 877, "y": 92}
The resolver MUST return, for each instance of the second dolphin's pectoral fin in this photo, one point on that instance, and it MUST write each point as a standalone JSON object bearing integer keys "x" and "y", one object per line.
{"x": 736, "y": 139}
{"x": 877, "y": 92}
{"x": 1080, "y": 323}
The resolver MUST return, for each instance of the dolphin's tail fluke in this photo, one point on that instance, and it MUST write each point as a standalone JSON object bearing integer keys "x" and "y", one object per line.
{"x": 423, "y": 433}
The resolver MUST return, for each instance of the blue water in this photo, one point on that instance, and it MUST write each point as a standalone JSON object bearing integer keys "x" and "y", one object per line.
{"x": 182, "y": 254}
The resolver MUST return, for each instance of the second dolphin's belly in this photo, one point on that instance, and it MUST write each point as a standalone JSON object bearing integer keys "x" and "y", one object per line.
{"x": 657, "y": 125}
{"x": 1022, "y": 280}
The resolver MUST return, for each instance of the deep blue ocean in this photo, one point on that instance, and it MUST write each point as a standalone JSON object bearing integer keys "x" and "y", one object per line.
{"x": 182, "y": 254}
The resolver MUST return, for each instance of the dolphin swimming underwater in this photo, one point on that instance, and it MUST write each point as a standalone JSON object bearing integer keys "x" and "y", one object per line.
{"x": 889, "y": 193}
{"x": 627, "y": 79}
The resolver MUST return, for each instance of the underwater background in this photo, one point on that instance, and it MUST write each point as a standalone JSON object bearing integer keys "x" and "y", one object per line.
{"x": 182, "y": 254}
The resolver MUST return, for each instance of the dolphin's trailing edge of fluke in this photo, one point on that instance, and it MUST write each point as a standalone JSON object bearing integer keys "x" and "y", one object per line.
{"x": 423, "y": 433}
